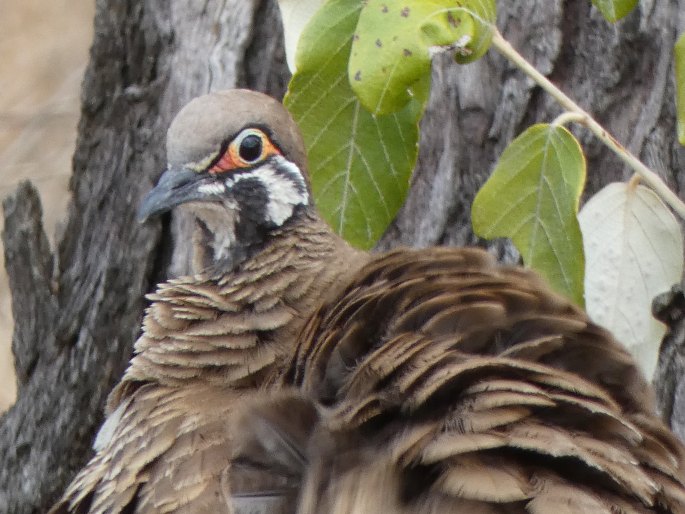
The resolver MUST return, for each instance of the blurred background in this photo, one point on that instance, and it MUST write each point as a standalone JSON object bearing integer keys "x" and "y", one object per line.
{"x": 44, "y": 51}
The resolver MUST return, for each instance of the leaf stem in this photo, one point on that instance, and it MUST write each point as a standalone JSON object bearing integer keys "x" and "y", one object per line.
{"x": 568, "y": 117}
{"x": 581, "y": 116}
{"x": 634, "y": 182}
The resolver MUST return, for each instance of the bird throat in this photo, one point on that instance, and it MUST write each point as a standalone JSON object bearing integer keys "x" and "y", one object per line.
{"x": 224, "y": 239}
{"x": 258, "y": 204}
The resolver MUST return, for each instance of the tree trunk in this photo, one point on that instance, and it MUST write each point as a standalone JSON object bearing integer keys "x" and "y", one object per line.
{"x": 78, "y": 310}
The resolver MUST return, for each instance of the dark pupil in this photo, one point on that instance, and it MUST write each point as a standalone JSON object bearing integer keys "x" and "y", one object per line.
{"x": 250, "y": 148}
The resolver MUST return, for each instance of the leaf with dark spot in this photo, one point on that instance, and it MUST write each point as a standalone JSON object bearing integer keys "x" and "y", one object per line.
{"x": 403, "y": 45}
{"x": 360, "y": 164}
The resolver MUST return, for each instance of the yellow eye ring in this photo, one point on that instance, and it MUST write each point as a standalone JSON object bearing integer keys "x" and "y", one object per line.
{"x": 248, "y": 148}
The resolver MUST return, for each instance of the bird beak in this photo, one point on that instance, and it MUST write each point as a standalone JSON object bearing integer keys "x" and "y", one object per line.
{"x": 175, "y": 186}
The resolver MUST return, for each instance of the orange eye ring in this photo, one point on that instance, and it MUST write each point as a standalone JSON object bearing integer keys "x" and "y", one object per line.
{"x": 248, "y": 148}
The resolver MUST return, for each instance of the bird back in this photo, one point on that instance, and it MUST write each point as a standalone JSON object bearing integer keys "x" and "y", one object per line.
{"x": 443, "y": 382}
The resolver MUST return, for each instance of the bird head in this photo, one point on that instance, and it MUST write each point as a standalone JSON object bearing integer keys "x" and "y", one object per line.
{"x": 236, "y": 160}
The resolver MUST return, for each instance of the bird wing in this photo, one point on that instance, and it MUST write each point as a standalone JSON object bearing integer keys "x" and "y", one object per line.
{"x": 447, "y": 383}
{"x": 167, "y": 453}
{"x": 202, "y": 341}
{"x": 271, "y": 435}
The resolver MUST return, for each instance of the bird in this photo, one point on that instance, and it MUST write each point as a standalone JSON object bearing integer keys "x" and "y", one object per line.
{"x": 442, "y": 382}
{"x": 293, "y": 373}
{"x": 264, "y": 261}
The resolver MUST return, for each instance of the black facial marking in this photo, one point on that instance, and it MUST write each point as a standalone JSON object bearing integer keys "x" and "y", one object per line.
{"x": 252, "y": 198}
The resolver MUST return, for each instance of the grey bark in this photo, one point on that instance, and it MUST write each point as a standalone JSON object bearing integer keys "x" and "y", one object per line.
{"x": 78, "y": 309}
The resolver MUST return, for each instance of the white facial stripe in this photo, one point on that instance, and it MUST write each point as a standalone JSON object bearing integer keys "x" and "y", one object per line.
{"x": 215, "y": 188}
{"x": 224, "y": 238}
{"x": 295, "y": 173}
{"x": 284, "y": 195}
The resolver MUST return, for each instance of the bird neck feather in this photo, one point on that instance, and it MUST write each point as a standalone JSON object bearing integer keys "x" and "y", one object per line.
{"x": 237, "y": 326}
{"x": 222, "y": 241}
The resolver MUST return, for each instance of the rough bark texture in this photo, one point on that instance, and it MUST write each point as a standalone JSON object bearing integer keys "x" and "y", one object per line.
{"x": 78, "y": 310}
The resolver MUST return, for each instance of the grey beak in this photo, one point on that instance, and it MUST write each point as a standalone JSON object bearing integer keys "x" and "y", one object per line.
{"x": 175, "y": 186}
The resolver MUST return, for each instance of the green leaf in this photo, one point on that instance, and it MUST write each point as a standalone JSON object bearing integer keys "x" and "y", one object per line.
{"x": 680, "y": 86}
{"x": 614, "y": 10}
{"x": 393, "y": 43}
{"x": 532, "y": 197}
{"x": 634, "y": 251}
{"x": 360, "y": 164}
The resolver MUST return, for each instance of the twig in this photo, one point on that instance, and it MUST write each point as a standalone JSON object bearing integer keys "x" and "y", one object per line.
{"x": 576, "y": 113}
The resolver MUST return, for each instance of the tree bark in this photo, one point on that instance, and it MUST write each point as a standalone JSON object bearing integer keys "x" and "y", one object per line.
{"x": 78, "y": 310}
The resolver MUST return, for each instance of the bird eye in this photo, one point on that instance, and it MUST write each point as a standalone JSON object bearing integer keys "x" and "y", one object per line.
{"x": 247, "y": 148}
{"x": 250, "y": 148}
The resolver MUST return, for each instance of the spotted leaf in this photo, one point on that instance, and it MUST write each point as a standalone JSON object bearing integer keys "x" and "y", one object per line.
{"x": 394, "y": 41}
{"x": 360, "y": 164}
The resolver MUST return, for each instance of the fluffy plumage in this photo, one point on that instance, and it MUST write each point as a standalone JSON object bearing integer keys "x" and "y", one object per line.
{"x": 211, "y": 339}
{"x": 443, "y": 382}
{"x": 298, "y": 375}
{"x": 207, "y": 342}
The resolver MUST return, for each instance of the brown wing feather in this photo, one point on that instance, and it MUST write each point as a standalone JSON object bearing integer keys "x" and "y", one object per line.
{"x": 444, "y": 383}
{"x": 449, "y": 379}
